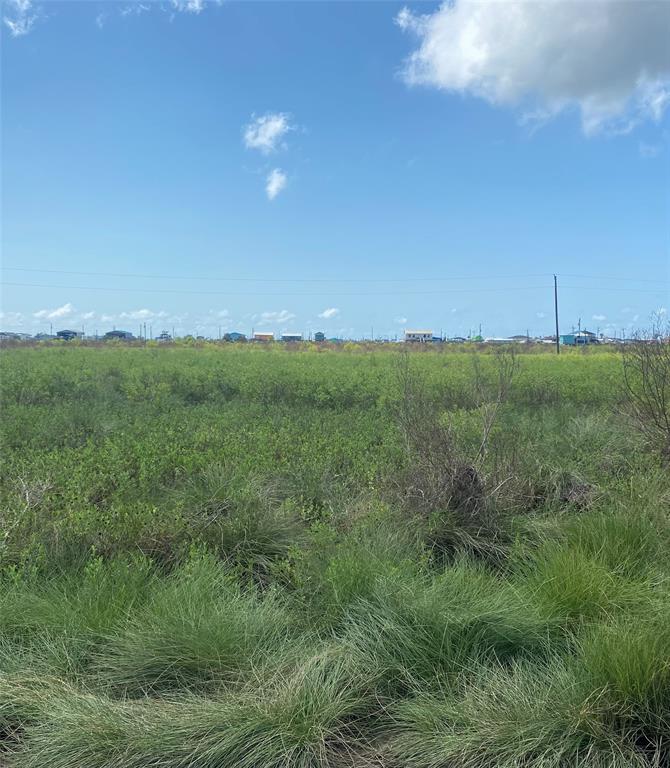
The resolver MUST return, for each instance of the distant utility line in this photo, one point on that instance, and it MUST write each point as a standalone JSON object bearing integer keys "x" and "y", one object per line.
{"x": 506, "y": 289}
{"x": 273, "y": 279}
{"x": 409, "y": 278}
{"x": 278, "y": 295}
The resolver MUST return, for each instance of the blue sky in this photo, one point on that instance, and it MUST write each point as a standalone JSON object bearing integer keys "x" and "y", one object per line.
{"x": 334, "y": 166}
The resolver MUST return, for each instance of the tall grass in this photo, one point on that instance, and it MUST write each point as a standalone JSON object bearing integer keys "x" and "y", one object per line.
{"x": 198, "y": 627}
{"x": 225, "y": 557}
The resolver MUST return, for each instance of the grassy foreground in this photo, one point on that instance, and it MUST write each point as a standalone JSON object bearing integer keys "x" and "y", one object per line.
{"x": 261, "y": 558}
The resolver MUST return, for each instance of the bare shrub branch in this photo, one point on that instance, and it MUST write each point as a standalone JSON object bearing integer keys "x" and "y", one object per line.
{"x": 444, "y": 481}
{"x": 646, "y": 373}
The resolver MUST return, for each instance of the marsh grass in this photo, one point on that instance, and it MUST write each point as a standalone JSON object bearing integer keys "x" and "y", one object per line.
{"x": 198, "y": 627}
{"x": 225, "y": 557}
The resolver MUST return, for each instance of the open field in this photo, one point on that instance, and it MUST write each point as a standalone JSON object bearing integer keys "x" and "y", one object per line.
{"x": 245, "y": 557}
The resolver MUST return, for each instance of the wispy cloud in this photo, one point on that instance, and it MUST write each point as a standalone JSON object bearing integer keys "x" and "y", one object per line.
{"x": 266, "y": 132}
{"x": 55, "y": 314}
{"x": 11, "y": 319}
{"x": 134, "y": 9}
{"x": 20, "y": 16}
{"x": 329, "y": 313}
{"x": 599, "y": 318}
{"x": 280, "y": 316}
{"x": 143, "y": 314}
{"x": 276, "y": 181}
{"x": 400, "y": 320}
{"x": 649, "y": 151}
{"x": 188, "y": 6}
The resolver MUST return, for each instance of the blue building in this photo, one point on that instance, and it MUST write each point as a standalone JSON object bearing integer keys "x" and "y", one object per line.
{"x": 122, "y": 335}
{"x": 67, "y": 335}
{"x": 579, "y": 339}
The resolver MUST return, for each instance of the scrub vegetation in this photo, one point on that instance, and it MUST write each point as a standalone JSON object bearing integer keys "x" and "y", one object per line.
{"x": 237, "y": 556}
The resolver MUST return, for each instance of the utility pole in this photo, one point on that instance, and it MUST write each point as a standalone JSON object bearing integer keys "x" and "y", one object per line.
{"x": 151, "y": 331}
{"x": 558, "y": 341}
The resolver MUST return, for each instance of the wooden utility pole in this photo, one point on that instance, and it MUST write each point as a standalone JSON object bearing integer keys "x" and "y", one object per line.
{"x": 558, "y": 341}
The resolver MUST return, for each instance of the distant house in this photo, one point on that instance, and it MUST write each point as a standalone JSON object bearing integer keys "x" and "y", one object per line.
{"x": 163, "y": 337}
{"x": 122, "y": 335}
{"x": 234, "y": 336}
{"x": 421, "y": 337}
{"x": 502, "y": 340}
{"x": 521, "y": 338}
{"x": 263, "y": 337}
{"x": 43, "y": 336}
{"x": 67, "y": 335}
{"x": 291, "y": 337}
{"x": 457, "y": 340}
{"x": 579, "y": 339}
{"x": 319, "y": 336}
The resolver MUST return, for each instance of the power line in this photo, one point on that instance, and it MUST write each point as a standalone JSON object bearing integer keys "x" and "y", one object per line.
{"x": 178, "y": 291}
{"x": 272, "y": 279}
{"x": 277, "y": 295}
{"x": 407, "y": 279}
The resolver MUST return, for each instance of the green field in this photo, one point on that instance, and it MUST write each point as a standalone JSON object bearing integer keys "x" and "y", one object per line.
{"x": 257, "y": 557}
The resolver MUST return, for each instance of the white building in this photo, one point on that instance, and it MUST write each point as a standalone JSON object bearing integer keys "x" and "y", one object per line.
{"x": 421, "y": 336}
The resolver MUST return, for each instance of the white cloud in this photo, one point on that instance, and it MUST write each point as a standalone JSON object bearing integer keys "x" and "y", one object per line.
{"x": 266, "y": 132}
{"x": 143, "y": 314}
{"x": 275, "y": 182}
{"x": 88, "y": 316}
{"x": 400, "y": 320}
{"x": 649, "y": 151}
{"x": 189, "y": 6}
{"x": 610, "y": 60}
{"x": 55, "y": 314}
{"x": 329, "y": 313}
{"x": 11, "y": 319}
{"x": 100, "y": 20}
{"x": 540, "y": 315}
{"x": 599, "y": 318}
{"x": 281, "y": 316}
{"x": 134, "y": 9}
{"x": 21, "y": 16}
